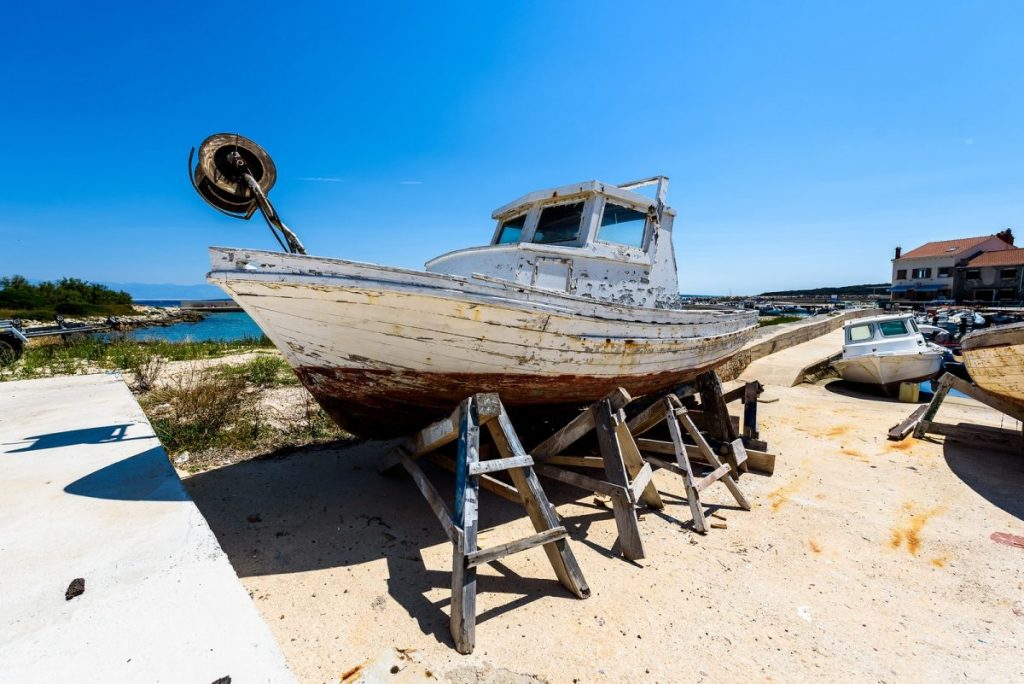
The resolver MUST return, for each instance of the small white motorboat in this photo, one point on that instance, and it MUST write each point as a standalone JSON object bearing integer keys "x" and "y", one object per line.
{"x": 884, "y": 351}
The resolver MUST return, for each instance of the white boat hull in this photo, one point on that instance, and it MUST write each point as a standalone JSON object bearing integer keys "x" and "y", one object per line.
{"x": 889, "y": 370}
{"x": 379, "y": 346}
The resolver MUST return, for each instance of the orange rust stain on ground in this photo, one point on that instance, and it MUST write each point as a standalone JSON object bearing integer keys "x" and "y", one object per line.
{"x": 815, "y": 547}
{"x": 780, "y": 496}
{"x": 847, "y": 451}
{"x": 837, "y": 431}
{"x": 940, "y": 562}
{"x": 905, "y": 445}
{"x": 910, "y": 531}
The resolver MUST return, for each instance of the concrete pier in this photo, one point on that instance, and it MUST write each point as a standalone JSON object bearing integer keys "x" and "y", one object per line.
{"x": 86, "y": 491}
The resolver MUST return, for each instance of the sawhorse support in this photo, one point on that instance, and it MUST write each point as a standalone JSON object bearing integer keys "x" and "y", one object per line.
{"x": 922, "y": 420}
{"x": 671, "y": 410}
{"x": 460, "y": 524}
{"x": 627, "y": 478}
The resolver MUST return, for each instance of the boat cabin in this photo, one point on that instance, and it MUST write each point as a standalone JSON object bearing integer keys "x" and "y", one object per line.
{"x": 594, "y": 240}
{"x": 897, "y": 334}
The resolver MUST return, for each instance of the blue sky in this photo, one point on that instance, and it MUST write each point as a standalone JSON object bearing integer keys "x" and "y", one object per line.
{"x": 803, "y": 140}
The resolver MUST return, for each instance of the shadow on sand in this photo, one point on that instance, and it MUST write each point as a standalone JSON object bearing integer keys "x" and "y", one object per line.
{"x": 991, "y": 462}
{"x": 330, "y": 508}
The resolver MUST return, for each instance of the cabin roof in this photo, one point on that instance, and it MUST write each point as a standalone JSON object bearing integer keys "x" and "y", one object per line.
{"x": 876, "y": 319}
{"x": 575, "y": 190}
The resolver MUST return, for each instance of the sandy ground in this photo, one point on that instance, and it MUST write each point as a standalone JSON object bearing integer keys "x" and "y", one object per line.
{"x": 861, "y": 560}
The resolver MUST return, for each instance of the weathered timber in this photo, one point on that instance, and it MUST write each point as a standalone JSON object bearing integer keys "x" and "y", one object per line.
{"x": 498, "y": 464}
{"x": 759, "y": 461}
{"x": 463, "y": 605}
{"x": 630, "y": 541}
{"x": 899, "y": 432}
{"x": 577, "y": 427}
{"x": 491, "y": 554}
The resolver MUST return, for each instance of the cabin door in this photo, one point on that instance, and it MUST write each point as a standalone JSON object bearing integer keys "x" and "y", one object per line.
{"x": 552, "y": 274}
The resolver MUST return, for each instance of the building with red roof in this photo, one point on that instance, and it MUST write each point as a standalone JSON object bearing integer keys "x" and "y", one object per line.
{"x": 937, "y": 271}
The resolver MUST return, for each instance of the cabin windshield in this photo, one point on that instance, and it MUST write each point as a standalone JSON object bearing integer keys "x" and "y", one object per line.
{"x": 892, "y": 328}
{"x": 559, "y": 224}
{"x": 622, "y": 225}
{"x": 511, "y": 230}
{"x": 860, "y": 333}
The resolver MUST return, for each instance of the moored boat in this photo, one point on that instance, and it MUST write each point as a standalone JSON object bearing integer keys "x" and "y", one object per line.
{"x": 575, "y": 294}
{"x": 995, "y": 360}
{"x": 884, "y": 351}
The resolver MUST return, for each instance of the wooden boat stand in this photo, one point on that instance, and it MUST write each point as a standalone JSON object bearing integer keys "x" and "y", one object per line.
{"x": 922, "y": 420}
{"x": 460, "y": 524}
{"x": 628, "y": 470}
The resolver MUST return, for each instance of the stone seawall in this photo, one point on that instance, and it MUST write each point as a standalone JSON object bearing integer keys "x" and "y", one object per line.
{"x": 786, "y": 337}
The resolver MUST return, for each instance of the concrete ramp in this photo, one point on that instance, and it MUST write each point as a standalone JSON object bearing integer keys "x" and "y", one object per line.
{"x": 788, "y": 367}
{"x": 86, "y": 491}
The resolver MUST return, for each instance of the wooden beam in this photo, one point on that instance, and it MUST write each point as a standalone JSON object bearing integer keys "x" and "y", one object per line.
{"x": 630, "y": 542}
{"x": 758, "y": 461}
{"x": 590, "y": 484}
{"x": 497, "y": 464}
{"x": 429, "y": 493}
{"x": 576, "y": 461}
{"x": 577, "y": 427}
{"x": 635, "y": 465}
{"x": 463, "y": 605}
{"x": 491, "y": 484}
{"x": 491, "y": 554}
{"x": 899, "y": 432}
{"x": 648, "y": 418}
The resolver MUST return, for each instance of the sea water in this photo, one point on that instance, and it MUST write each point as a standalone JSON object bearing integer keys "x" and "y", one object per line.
{"x": 226, "y": 326}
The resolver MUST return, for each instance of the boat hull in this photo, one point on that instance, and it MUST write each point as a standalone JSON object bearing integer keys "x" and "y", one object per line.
{"x": 995, "y": 361}
{"x": 386, "y": 350}
{"x": 887, "y": 371}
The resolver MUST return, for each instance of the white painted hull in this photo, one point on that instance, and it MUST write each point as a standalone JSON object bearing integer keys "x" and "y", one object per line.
{"x": 889, "y": 370}
{"x": 995, "y": 360}
{"x": 371, "y": 341}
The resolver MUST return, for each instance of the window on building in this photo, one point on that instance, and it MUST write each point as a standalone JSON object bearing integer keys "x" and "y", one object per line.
{"x": 945, "y": 272}
{"x": 622, "y": 226}
{"x": 559, "y": 224}
{"x": 1008, "y": 273}
{"x": 892, "y": 328}
{"x": 972, "y": 274}
{"x": 511, "y": 229}
{"x": 1007, "y": 295}
{"x": 921, "y": 273}
{"x": 901, "y": 274}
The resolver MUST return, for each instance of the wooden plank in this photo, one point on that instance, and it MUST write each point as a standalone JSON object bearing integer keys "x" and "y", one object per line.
{"x": 647, "y": 419}
{"x": 576, "y": 461}
{"x": 463, "y": 605}
{"x": 491, "y": 484}
{"x": 497, "y": 464}
{"x": 635, "y": 465}
{"x": 671, "y": 467}
{"x": 712, "y": 477}
{"x": 750, "y": 392}
{"x": 641, "y": 482}
{"x": 945, "y": 383}
{"x": 709, "y": 454}
{"x": 429, "y": 493}
{"x": 977, "y": 393}
{"x": 630, "y": 542}
{"x": 493, "y": 553}
{"x": 435, "y": 435}
{"x": 585, "y": 482}
{"x": 899, "y": 432}
{"x": 683, "y": 462}
{"x": 716, "y": 413}
{"x": 577, "y": 427}
{"x": 541, "y": 512}
{"x": 758, "y": 461}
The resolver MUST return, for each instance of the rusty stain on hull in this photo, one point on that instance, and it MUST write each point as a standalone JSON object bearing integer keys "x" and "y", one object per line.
{"x": 389, "y": 403}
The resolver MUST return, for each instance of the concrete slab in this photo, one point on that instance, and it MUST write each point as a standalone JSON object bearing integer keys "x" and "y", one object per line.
{"x": 788, "y": 367}
{"x": 86, "y": 490}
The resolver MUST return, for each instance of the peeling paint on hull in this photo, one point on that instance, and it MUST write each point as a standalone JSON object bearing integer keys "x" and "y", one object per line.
{"x": 385, "y": 350}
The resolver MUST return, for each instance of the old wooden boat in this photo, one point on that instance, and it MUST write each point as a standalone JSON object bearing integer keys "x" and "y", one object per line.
{"x": 995, "y": 360}
{"x": 884, "y": 351}
{"x": 575, "y": 294}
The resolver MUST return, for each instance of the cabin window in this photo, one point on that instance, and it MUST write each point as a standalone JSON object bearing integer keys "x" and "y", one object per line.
{"x": 511, "y": 229}
{"x": 973, "y": 274}
{"x": 921, "y": 273}
{"x": 559, "y": 224}
{"x": 860, "y": 333}
{"x": 901, "y": 274}
{"x": 1008, "y": 273}
{"x": 945, "y": 272}
{"x": 892, "y": 328}
{"x": 622, "y": 226}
